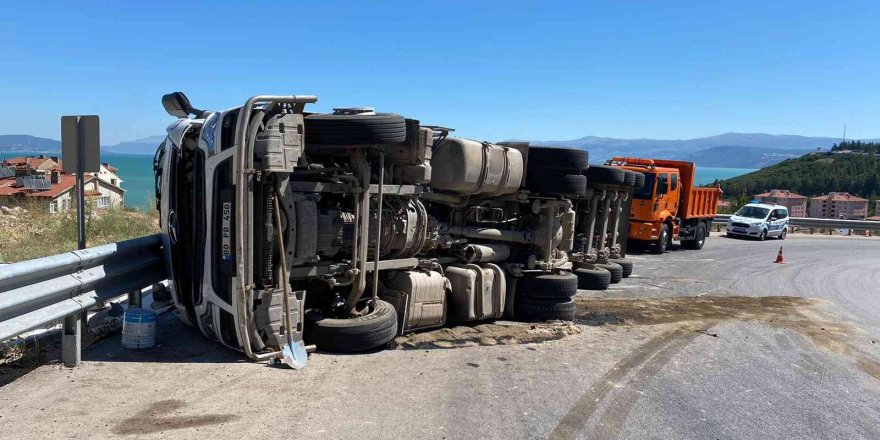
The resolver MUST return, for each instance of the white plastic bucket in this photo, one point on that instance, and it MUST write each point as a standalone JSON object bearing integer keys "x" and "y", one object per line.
{"x": 139, "y": 328}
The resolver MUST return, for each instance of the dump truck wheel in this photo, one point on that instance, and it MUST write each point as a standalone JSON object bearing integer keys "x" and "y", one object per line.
{"x": 615, "y": 269}
{"x": 559, "y": 159}
{"x": 627, "y": 266}
{"x": 553, "y": 183}
{"x": 527, "y": 308}
{"x": 593, "y": 279}
{"x": 372, "y": 330}
{"x": 561, "y": 285}
{"x": 607, "y": 175}
{"x": 354, "y": 130}
{"x": 660, "y": 246}
{"x": 699, "y": 239}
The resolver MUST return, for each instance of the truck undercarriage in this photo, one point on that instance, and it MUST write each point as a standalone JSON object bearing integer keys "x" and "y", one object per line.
{"x": 343, "y": 230}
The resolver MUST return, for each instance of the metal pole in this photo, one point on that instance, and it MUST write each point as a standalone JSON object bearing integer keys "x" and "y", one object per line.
{"x": 80, "y": 187}
{"x": 378, "y": 227}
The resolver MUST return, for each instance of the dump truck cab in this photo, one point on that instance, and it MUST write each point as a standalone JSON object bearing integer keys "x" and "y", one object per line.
{"x": 668, "y": 206}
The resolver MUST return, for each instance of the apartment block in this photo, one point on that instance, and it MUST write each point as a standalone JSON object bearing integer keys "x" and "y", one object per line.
{"x": 839, "y": 205}
{"x": 796, "y": 203}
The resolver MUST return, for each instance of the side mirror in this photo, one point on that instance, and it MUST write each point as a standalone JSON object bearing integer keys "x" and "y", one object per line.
{"x": 177, "y": 104}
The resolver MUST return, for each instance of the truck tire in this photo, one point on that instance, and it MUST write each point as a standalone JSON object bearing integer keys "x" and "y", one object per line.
{"x": 353, "y": 130}
{"x": 627, "y": 266}
{"x": 607, "y": 175}
{"x": 629, "y": 177}
{"x": 527, "y": 308}
{"x": 699, "y": 238}
{"x": 559, "y": 159}
{"x": 615, "y": 269}
{"x": 660, "y": 246}
{"x": 640, "y": 180}
{"x": 553, "y": 182}
{"x": 372, "y": 330}
{"x": 545, "y": 285}
{"x": 593, "y": 279}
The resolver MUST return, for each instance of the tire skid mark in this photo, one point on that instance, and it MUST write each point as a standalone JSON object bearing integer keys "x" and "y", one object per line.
{"x": 694, "y": 315}
{"x": 617, "y": 410}
{"x": 577, "y": 417}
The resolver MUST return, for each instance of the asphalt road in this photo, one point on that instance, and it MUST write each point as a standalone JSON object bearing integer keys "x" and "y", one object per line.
{"x": 698, "y": 344}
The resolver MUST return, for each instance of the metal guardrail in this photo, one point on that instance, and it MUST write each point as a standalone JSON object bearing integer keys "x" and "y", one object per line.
{"x": 819, "y": 223}
{"x": 37, "y": 292}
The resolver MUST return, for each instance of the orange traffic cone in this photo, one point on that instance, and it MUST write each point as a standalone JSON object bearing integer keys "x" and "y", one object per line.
{"x": 779, "y": 258}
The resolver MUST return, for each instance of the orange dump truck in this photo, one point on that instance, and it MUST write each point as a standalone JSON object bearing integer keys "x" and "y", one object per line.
{"x": 668, "y": 206}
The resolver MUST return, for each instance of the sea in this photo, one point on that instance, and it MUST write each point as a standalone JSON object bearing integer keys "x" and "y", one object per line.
{"x": 136, "y": 172}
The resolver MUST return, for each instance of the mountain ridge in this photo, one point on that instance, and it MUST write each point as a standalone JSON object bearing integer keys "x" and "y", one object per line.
{"x": 731, "y": 149}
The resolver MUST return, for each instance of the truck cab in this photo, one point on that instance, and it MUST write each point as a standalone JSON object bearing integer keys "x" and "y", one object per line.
{"x": 668, "y": 206}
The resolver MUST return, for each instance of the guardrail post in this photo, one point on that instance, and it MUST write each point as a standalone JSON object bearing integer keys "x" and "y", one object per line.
{"x": 135, "y": 299}
{"x": 71, "y": 341}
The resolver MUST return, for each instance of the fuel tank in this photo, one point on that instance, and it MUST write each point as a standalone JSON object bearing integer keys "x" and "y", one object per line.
{"x": 476, "y": 168}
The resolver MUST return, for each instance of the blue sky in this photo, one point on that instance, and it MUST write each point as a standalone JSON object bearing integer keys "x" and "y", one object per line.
{"x": 492, "y": 70}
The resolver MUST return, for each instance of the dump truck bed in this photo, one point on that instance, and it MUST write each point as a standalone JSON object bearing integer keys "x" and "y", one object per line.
{"x": 700, "y": 202}
{"x": 696, "y": 202}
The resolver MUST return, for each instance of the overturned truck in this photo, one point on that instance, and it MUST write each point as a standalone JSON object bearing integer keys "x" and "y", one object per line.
{"x": 344, "y": 230}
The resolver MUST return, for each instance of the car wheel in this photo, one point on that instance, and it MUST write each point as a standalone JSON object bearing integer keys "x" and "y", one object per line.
{"x": 784, "y": 233}
{"x": 629, "y": 178}
{"x": 527, "y": 308}
{"x": 558, "y": 159}
{"x": 372, "y": 330}
{"x": 627, "y": 266}
{"x": 355, "y": 130}
{"x": 640, "y": 180}
{"x": 553, "y": 182}
{"x": 546, "y": 285}
{"x": 615, "y": 269}
{"x": 593, "y": 279}
{"x": 607, "y": 175}
{"x": 763, "y": 235}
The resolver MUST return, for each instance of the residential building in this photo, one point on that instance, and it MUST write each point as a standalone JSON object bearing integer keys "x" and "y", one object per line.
{"x": 41, "y": 179}
{"x": 31, "y": 164}
{"x": 796, "y": 203}
{"x": 839, "y": 205}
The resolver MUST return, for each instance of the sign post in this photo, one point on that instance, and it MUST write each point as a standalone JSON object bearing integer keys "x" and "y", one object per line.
{"x": 80, "y": 145}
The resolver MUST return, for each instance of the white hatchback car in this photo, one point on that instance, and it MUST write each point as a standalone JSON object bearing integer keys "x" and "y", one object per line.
{"x": 759, "y": 220}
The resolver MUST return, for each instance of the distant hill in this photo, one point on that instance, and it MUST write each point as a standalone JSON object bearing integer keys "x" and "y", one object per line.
{"x": 603, "y": 148}
{"x": 742, "y": 157}
{"x": 139, "y": 146}
{"x": 12, "y": 143}
{"x": 811, "y": 175}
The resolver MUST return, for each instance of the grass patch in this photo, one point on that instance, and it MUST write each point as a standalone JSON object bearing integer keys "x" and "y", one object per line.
{"x": 34, "y": 233}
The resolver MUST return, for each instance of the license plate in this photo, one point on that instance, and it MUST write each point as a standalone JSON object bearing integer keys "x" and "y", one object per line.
{"x": 226, "y": 231}
{"x": 737, "y": 229}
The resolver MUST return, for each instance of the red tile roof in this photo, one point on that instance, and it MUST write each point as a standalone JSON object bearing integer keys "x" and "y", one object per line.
{"x": 781, "y": 194}
{"x": 23, "y": 162}
{"x": 66, "y": 182}
{"x": 839, "y": 197}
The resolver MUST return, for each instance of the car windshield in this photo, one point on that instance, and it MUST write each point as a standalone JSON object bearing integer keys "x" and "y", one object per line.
{"x": 753, "y": 212}
{"x": 647, "y": 189}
